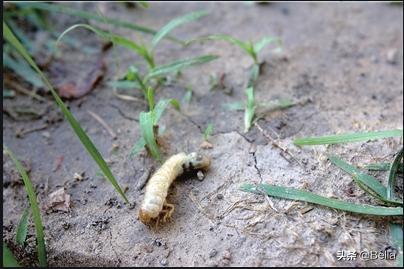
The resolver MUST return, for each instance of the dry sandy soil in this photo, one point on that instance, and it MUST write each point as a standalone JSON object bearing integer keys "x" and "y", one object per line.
{"x": 342, "y": 60}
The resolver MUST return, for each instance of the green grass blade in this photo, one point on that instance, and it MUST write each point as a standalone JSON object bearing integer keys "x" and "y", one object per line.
{"x": 175, "y": 23}
{"x": 21, "y": 36}
{"x": 378, "y": 166}
{"x": 23, "y": 70}
{"x": 90, "y": 16}
{"x": 208, "y": 131}
{"x": 371, "y": 192}
{"x": 22, "y": 228}
{"x": 276, "y": 104}
{"x": 254, "y": 72}
{"x": 161, "y": 106}
{"x": 119, "y": 40}
{"x": 150, "y": 98}
{"x": 179, "y": 65}
{"x": 188, "y": 95}
{"x": 85, "y": 140}
{"x": 124, "y": 84}
{"x": 139, "y": 145}
{"x": 300, "y": 195}
{"x": 396, "y": 232}
{"x": 227, "y": 38}
{"x": 133, "y": 74}
{"x": 265, "y": 42}
{"x": 36, "y": 214}
{"x": 147, "y": 128}
{"x": 345, "y": 138}
{"x": 250, "y": 109}
{"x": 392, "y": 174}
{"x": 8, "y": 257}
{"x": 365, "y": 179}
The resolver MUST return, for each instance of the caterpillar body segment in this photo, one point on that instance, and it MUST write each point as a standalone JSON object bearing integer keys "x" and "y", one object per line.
{"x": 154, "y": 201}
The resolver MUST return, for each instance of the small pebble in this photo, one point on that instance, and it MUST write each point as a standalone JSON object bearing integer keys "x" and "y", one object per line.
{"x": 392, "y": 56}
{"x": 132, "y": 205}
{"x": 212, "y": 253}
{"x": 200, "y": 175}
{"x": 164, "y": 262}
{"x": 66, "y": 225}
{"x": 313, "y": 167}
{"x": 46, "y": 135}
{"x": 219, "y": 196}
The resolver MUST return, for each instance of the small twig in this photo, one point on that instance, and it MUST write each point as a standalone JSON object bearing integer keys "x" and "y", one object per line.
{"x": 199, "y": 206}
{"x": 21, "y": 133}
{"x": 21, "y": 89}
{"x": 103, "y": 123}
{"x": 275, "y": 144}
{"x": 128, "y": 97}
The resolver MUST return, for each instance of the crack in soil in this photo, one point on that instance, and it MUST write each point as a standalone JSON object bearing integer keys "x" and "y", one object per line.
{"x": 256, "y": 167}
{"x": 123, "y": 114}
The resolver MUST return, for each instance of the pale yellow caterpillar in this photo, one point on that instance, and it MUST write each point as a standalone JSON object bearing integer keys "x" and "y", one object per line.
{"x": 157, "y": 186}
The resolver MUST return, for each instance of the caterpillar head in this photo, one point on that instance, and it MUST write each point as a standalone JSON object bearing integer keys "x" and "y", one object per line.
{"x": 197, "y": 161}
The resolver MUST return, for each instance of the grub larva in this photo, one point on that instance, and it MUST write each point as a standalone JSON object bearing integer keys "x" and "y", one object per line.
{"x": 157, "y": 187}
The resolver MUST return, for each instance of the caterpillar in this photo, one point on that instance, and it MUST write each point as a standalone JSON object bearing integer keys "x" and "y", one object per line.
{"x": 157, "y": 187}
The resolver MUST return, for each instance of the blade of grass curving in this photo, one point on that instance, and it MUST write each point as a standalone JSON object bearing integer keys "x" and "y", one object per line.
{"x": 8, "y": 257}
{"x": 36, "y": 214}
{"x": 208, "y": 131}
{"x": 179, "y": 65}
{"x": 90, "y": 16}
{"x": 383, "y": 167}
{"x": 175, "y": 23}
{"x": 22, "y": 228}
{"x": 300, "y": 195}
{"x": 133, "y": 74}
{"x": 147, "y": 128}
{"x": 85, "y": 140}
{"x": 365, "y": 179}
{"x": 396, "y": 232}
{"x": 222, "y": 37}
{"x": 119, "y": 40}
{"x": 392, "y": 174}
{"x": 139, "y": 145}
{"x": 265, "y": 42}
{"x": 249, "y": 110}
{"x": 372, "y": 193}
{"x": 345, "y": 138}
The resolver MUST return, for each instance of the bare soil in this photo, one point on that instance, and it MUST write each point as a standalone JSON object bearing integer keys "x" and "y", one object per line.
{"x": 337, "y": 60}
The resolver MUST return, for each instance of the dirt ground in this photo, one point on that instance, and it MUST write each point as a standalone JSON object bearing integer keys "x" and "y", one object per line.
{"x": 344, "y": 58}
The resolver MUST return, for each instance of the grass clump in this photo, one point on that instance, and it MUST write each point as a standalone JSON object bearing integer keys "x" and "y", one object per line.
{"x": 151, "y": 79}
{"x": 252, "y": 50}
{"x": 34, "y": 208}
